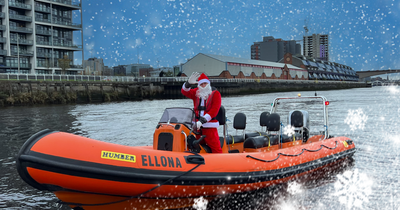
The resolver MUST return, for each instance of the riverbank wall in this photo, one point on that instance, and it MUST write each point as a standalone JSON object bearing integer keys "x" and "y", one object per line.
{"x": 16, "y": 93}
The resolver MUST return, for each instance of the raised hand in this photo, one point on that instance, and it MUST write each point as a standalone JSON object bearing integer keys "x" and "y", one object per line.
{"x": 193, "y": 78}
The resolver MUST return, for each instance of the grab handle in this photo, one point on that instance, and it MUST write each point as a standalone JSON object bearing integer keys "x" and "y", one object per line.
{"x": 194, "y": 159}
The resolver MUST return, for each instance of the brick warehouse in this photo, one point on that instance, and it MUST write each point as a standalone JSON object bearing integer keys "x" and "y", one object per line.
{"x": 219, "y": 66}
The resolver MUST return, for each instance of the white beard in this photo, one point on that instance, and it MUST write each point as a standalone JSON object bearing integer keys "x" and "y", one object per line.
{"x": 204, "y": 92}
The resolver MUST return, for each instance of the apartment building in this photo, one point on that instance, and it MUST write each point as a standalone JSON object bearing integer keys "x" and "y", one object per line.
{"x": 271, "y": 49}
{"x": 316, "y": 46}
{"x": 36, "y": 34}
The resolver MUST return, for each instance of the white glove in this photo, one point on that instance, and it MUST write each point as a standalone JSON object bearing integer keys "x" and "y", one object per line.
{"x": 193, "y": 78}
{"x": 198, "y": 125}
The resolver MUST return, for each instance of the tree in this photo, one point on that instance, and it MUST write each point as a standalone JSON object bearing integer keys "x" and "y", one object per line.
{"x": 48, "y": 64}
{"x": 161, "y": 74}
{"x": 63, "y": 63}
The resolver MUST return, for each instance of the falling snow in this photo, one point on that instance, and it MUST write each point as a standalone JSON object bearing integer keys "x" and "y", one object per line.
{"x": 362, "y": 34}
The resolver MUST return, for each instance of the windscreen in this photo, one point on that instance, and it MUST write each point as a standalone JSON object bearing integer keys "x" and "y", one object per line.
{"x": 178, "y": 115}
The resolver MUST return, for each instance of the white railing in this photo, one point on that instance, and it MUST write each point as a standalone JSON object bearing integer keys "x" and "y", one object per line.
{"x": 92, "y": 78}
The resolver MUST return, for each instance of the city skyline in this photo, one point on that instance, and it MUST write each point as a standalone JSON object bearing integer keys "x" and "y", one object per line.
{"x": 363, "y": 34}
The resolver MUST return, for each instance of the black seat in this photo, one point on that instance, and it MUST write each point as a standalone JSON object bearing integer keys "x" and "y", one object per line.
{"x": 273, "y": 122}
{"x": 221, "y": 117}
{"x": 264, "y": 118}
{"x": 261, "y": 141}
{"x": 297, "y": 121}
{"x": 239, "y": 123}
{"x": 256, "y": 142}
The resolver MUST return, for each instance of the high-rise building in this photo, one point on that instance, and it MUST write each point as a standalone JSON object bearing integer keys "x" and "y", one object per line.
{"x": 36, "y": 36}
{"x": 316, "y": 46}
{"x": 93, "y": 66}
{"x": 271, "y": 49}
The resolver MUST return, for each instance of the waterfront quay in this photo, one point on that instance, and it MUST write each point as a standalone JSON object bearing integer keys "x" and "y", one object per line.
{"x": 62, "y": 89}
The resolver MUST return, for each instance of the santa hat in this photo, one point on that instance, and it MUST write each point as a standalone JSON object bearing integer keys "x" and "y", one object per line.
{"x": 203, "y": 78}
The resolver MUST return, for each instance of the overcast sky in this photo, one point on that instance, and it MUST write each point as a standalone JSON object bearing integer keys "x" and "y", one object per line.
{"x": 363, "y": 34}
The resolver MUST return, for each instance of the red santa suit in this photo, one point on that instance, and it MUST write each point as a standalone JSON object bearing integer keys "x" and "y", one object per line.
{"x": 207, "y": 109}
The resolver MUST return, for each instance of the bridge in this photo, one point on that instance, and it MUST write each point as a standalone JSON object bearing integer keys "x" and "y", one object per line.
{"x": 368, "y": 73}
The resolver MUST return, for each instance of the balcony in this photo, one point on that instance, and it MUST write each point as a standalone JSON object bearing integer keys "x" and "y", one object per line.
{"x": 65, "y": 23}
{"x": 2, "y": 15}
{"x": 22, "y": 41}
{"x": 21, "y": 65}
{"x": 51, "y": 65}
{"x": 43, "y": 43}
{"x": 67, "y": 2}
{"x": 22, "y": 52}
{"x": 45, "y": 65}
{"x": 41, "y": 9}
{"x": 43, "y": 20}
{"x": 19, "y": 5}
{"x": 21, "y": 29}
{"x": 3, "y": 52}
{"x": 20, "y": 17}
{"x": 3, "y": 39}
{"x": 43, "y": 32}
{"x": 2, "y": 2}
{"x": 67, "y": 45}
{"x": 43, "y": 55}
{"x": 3, "y": 27}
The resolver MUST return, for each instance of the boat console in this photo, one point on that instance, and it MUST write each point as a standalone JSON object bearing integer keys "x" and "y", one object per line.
{"x": 173, "y": 129}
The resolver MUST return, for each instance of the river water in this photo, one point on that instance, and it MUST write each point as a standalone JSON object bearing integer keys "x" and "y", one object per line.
{"x": 369, "y": 116}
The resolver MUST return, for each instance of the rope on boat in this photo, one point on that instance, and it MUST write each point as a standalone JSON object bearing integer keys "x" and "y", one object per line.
{"x": 136, "y": 196}
{"x": 295, "y": 155}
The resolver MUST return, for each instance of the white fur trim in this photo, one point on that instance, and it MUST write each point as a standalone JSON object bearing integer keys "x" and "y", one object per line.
{"x": 208, "y": 117}
{"x": 203, "y": 80}
{"x": 184, "y": 88}
{"x": 211, "y": 125}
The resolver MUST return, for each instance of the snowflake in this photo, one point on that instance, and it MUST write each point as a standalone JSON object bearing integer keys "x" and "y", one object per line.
{"x": 288, "y": 130}
{"x": 353, "y": 189}
{"x": 356, "y": 119}
{"x": 200, "y": 203}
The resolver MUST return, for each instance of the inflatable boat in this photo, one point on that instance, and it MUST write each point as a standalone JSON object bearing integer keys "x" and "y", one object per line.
{"x": 178, "y": 168}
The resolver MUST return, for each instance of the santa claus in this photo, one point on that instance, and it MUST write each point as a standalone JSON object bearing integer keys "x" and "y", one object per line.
{"x": 206, "y": 101}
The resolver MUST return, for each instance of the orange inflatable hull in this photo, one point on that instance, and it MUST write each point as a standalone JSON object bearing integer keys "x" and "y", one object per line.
{"x": 92, "y": 174}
